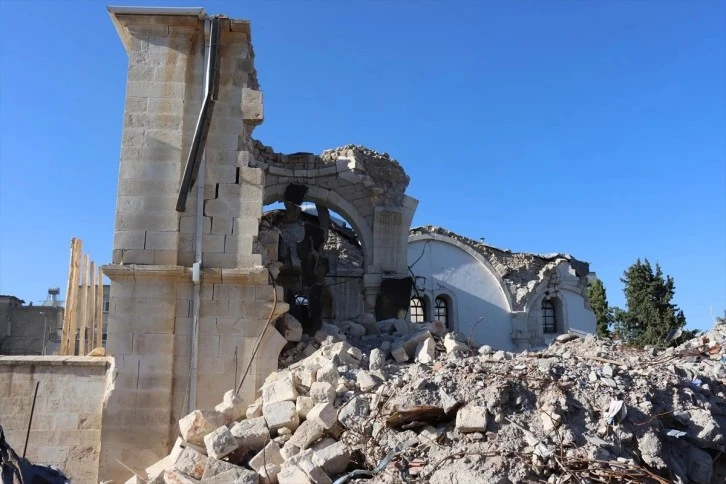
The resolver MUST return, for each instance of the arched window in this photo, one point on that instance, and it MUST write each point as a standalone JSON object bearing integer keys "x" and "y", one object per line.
{"x": 549, "y": 320}
{"x": 441, "y": 310}
{"x": 417, "y": 310}
{"x": 301, "y": 300}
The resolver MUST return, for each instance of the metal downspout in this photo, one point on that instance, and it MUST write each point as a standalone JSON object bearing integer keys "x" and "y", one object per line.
{"x": 198, "y": 229}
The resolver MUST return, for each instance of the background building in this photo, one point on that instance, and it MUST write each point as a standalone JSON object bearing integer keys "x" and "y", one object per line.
{"x": 35, "y": 329}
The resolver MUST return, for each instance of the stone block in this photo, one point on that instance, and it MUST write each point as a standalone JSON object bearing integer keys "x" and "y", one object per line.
{"x": 305, "y": 377}
{"x": 269, "y": 473}
{"x": 232, "y": 407}
{"x": 252, "y": 111}
{"x": 376, "y": 360}
{"x": 173, "y": 476}
{"x": 220, "y": 443}
{"x": 199, "y": 423}
{"x": 323, "y": 413}
{"x": 254, "y": 409}
{"x": 306, "y": 434}
{"x": 291, "y": 328}
{"x": 328, "y": 373}
{"x": 334, "y": 459}
{"x": 269, "y": 455}
{"x": 238, "y": 475}
{"x": 303, "y": 405}
{"x": 292, "y": 474}
{"x": 251, "y": 434}
{"x": 322, "y": 392}
{"x": 281, "y": 414}
{"x": 133, "y": 239}
{"x": 426, "y": 351}
{"x": 160, "y": 240}
{"x": 403, "y": 350}
{"x": 283, "y": 389}
{"x": 191, "y": 463}
{"x": 347, "y": 354}
{"x": 216, "y": 466}
{"x": 354, "y": 412}
{"x": 453, "y": 345}
{"x": 472, "y": 418}
{"x": 366, "y": 382}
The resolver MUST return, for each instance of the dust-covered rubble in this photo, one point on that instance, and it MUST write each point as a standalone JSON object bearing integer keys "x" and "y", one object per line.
{"x": 408, "y": 403}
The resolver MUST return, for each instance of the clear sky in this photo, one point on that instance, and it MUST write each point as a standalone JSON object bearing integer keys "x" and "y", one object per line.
{"x": 592, "y": 128}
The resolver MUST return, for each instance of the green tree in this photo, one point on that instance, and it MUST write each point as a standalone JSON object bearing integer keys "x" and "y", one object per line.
{"x": 599, "y": 304}
{"x": 650, "y": 315}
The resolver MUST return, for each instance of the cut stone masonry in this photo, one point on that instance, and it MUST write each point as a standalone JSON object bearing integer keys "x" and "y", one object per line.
{"x": 159, "y": 359}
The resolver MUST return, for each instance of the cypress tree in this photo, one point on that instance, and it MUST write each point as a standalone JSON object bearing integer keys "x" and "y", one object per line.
{"x": 650, "y": 315}
{"x": 599, "y": 304}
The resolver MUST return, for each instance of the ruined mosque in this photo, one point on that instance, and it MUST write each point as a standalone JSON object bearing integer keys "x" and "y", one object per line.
{"x": 201, "y": 269}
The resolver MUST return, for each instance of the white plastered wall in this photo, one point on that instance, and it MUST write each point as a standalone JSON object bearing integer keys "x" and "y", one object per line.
{"x": 480, "y": 307}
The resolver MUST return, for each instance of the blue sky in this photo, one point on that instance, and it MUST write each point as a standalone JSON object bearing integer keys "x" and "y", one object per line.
{"x": 593, "y": 128}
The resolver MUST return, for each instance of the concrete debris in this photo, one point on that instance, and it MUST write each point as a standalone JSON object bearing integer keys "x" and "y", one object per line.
{"x": 551, "y": 416}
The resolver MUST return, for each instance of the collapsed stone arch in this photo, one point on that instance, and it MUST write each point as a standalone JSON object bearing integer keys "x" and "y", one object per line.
{"x": 332, "y": 200}
{"x": 364, "y": 186}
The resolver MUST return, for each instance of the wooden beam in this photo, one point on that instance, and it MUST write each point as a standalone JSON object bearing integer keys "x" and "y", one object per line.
{"x": 99, "y": 310}
{"x": 91, "y": 307}
{"x": 71, "y": 295}
{"x": 84, "y": 309}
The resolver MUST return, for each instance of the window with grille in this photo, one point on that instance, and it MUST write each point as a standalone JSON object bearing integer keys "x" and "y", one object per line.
{"x": 417, "y": 310}
{"x": 441, "y": 310}
{"x": 549, "y": 322}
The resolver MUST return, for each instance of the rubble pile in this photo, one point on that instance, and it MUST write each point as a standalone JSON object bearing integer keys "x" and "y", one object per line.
{"x": 384, "y": 402}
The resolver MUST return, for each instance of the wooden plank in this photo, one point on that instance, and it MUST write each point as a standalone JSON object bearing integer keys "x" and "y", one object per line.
{"x": 91, "y": 307}
{"x": 84, "y": 309}
{"x": 99, "y": 310}
{"x": 71, "y": 295}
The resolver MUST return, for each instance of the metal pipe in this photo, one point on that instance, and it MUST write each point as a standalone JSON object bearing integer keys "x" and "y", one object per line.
{"x": 198, "y": 229}
{"x": 30, "y": 420}
{"x": 45, "y": 329}
{"x": 211, "y": 91}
